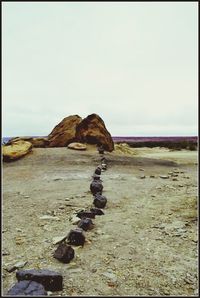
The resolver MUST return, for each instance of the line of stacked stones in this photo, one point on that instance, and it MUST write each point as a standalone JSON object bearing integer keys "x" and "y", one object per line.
{"x": 37, "y": 282}
{"x": 76, "y": 236}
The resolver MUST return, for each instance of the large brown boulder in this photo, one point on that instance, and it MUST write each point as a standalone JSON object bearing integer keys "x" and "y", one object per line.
{"x": 16, "y": 150}
{"x": 92, "y": 130}
{"x": 64, "y": 133}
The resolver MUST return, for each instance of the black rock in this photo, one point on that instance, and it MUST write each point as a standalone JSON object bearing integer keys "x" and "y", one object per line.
{"x": 100, "y": 201}
{"x": 83, "y": 214}
{"x": 86, "y": 224}
{"x": 100, "y": 148}
{"x": 64, "y": 253}
{"x": 104, "y": 160}
{"x": 98, "y": 171}
{"x": 51, "y": 280}
{"x": 27, "y": 288}
{"x": 96, "y": 186}
{"x": 96, "y": 211}
{"x": 76, "y": 237}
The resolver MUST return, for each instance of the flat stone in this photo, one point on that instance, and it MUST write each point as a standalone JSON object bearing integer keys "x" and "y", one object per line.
{"x": 51, "y": 280}
{"x": 164, "y": 176}
{"x": 48, "y": 217}
{"x": 75, "y": 219}
{"x": 77, "y": 146}
{"x": 27, "y": 288}
{"x": 75, "y": 270}
{"x": 59, "y": 239}
{"x": 142, "y": 177}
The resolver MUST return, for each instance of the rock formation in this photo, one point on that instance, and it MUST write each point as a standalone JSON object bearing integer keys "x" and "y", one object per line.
{"x": 16, "y": 150}
{"x": 36, "y": 142}
{"x": 64, "y": 133}
{"x": 92, "y": 130}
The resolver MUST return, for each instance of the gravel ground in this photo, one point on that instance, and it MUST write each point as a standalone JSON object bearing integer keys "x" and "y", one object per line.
{"x": 145, "y": 244}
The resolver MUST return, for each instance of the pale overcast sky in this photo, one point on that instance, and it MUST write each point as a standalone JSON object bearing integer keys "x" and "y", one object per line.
{"x": 132, "y": 63}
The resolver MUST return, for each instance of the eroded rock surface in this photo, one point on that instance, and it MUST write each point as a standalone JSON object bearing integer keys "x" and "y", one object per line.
{"x": 16, "y": 150}
{"x": 64, "y": 133}
{"x": 92, "y": 130}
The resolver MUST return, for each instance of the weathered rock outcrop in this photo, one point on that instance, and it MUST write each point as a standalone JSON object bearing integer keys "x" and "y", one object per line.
{"x": 92, "y": 130}
{"x": 64, "y": 133}
{"x": 16, "y": 150}
{"x": 36, "y": 142}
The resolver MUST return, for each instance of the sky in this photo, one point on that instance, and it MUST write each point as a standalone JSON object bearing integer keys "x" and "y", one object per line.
{"x": 135, "y": 64}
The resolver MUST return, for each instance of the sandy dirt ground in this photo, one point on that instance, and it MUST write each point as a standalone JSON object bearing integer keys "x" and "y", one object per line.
{"x": 145, "y": 244}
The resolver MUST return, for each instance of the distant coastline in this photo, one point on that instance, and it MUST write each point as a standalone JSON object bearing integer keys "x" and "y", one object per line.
{"x": 138, "y": 141}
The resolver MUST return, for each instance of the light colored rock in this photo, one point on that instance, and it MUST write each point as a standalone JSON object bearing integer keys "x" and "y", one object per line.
{"x": 77, "y": 146}
{"x": 164, "y": 176}
{"x": 48, "y": 217}
{"x": 16, "y": 150}
{"x": 11, "y": 268}
{"x": 58, "y": 239}
{"x": 74, "y": 219}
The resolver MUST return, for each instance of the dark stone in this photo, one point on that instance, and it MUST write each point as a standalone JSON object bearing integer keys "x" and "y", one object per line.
{"x": 100, "y": 201}
{"x": 51, "y": 280}
{"x": 96, "y": 211}
{"x": 100, "y": 148}
{"x": 96, "y": 186}
{"x": 98, "y": 171}
{"x": 76, "y": 237}
{"x": 86, "y": 224}
{"x": 27, "y": 288}
{"x": 64, "y": 253}
{"x": 88, "y": 214}
{"x": 103, "y": 160}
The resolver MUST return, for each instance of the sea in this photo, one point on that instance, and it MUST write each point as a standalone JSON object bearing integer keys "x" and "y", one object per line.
{"x": 123, "y": 139}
